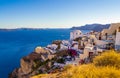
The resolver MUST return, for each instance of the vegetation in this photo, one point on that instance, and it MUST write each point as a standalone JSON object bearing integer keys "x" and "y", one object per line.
{"x": 38, "y": 63}
{"x": 60, "y": 60}
{"x": 110, "y": 58}
{"x": 104, "y": 66}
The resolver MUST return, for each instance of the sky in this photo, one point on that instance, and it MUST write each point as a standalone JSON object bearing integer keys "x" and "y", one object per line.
{"x": 57, "y": 13}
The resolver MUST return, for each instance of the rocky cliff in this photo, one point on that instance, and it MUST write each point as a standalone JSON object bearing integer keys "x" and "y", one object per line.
{"x": 35, "y": 63}
{"x": 38, "y": 62}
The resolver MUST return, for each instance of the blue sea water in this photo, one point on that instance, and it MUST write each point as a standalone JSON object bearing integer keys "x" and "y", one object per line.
{"x": 16, "y": 44}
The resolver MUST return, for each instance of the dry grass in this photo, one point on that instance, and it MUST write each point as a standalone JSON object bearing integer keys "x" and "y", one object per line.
{"x": 109, "y": 58}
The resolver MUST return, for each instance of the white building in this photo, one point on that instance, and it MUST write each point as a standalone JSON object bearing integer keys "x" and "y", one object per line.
{"x": 75, "y": 34}
{"x": 117, "y": 41}
{"x": 100, "y": 43}
{"x": 63, "y": 47}
{"x": 52, "y": 46}
{"x": 75, "y": 47}
{"x": 87, "y": 52}
{"x": 66, "y": 43}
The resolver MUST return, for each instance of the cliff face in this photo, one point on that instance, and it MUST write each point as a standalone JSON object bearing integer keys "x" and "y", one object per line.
{"x": 33, "y": 64}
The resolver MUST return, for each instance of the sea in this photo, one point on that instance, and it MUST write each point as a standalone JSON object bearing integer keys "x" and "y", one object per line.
{"x": 15, "y": 44}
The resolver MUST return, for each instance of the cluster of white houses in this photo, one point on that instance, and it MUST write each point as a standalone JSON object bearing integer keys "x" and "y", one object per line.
{"x": 90, "y": 44}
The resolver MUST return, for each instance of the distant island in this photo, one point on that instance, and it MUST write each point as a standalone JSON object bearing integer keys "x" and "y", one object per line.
{"x": 94, "y": 27}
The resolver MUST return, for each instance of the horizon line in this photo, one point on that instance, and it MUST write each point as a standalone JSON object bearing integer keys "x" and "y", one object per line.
{"x": 55, "y": 27}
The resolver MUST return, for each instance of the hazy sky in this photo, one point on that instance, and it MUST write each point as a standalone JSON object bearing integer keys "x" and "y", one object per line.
{"x": 57, "y": 13}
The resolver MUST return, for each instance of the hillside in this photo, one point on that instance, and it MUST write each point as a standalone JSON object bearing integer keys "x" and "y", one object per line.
{"x": 95, "y": 27}
{"x": 104, "y": 66}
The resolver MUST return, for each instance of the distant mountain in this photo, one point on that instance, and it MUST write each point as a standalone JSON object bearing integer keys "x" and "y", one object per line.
{"x": 94, "y": 27}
